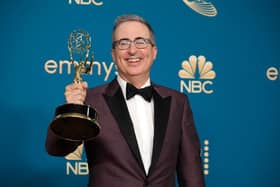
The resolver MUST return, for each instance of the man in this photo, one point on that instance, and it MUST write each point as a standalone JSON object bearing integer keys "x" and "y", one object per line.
{"x": 145, "y": 139}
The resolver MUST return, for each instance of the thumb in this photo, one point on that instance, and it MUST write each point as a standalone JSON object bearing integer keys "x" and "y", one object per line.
{"x": 85, "y": 85}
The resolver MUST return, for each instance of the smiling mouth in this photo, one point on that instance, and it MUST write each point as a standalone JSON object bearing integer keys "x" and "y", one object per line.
{"x": 132, "y": 60}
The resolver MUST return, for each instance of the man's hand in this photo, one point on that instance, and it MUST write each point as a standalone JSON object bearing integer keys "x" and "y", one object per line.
{"x": 76, "y": 93}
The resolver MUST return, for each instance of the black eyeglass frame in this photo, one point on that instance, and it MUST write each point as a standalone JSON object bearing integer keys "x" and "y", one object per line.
{"x": 129, "y": 42}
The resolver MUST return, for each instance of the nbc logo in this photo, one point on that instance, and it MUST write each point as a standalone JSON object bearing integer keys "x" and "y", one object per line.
{"x": 202, "y": 7}
{"x": 86, "y": 2}
{"x": 75, "y": 164}
{"x": 193, "y": 68}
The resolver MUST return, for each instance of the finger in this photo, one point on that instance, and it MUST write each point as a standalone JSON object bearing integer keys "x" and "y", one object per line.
{"x": 75, "y": 96}
{"x": 79, "y": 94}
{"x": 75, "y": 93}
{"x": 74, "y": 86}
{"x": 77, "y": 99}
{"x": 84, "y": 85}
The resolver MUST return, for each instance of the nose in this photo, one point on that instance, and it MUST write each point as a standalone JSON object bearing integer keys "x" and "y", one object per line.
{"x": 132, "y": 49}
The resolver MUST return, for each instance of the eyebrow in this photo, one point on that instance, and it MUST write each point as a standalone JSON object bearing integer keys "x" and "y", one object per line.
{"x": 139, "y": 37}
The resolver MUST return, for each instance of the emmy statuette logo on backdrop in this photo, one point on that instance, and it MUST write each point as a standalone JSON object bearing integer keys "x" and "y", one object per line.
{"x": 77, "y": 122}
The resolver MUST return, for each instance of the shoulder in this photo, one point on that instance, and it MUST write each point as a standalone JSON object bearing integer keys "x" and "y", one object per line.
{"x": 166, "y": 92}
{"x": 98, "y": 89}
{"x": 108, "y": 89}
{"x": 95, "y": 94}
{"x": 179, "y": 100}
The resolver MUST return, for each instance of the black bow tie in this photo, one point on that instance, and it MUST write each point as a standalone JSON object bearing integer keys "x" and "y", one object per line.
{"x": 146, "y": 92}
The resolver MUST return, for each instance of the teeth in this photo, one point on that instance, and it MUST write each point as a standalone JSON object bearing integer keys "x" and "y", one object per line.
{"x": 133, "y": 59}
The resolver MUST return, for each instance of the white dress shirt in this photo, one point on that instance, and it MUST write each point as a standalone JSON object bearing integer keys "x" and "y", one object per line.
{"x": 142, "y": 116}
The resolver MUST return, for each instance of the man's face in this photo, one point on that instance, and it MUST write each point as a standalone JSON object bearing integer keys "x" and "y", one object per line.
{"x": 133, "y": 62}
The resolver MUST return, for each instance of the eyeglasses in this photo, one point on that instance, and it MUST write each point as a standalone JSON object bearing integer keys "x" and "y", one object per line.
{"x": 125, "y": 43}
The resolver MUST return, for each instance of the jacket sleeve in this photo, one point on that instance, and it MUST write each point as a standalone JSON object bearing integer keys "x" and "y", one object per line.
{"x": 189, "y": 168}
{"x": 57, "y": 146}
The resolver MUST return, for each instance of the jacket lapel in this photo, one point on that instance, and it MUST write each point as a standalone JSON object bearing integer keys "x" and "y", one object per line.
{"x": 116, "y": 102}
{"x": 162, "y": 108}
{"x": 117, "y": 105}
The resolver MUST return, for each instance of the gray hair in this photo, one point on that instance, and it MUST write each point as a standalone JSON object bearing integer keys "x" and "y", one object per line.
{"x": 133, "y": 17}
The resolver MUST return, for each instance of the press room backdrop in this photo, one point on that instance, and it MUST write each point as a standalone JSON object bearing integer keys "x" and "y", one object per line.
{"x": 223, "y": 54}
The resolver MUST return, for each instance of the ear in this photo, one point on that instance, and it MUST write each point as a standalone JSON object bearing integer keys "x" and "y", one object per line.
{"x": 155, "y": 50}
{"x": 113, "y": 55}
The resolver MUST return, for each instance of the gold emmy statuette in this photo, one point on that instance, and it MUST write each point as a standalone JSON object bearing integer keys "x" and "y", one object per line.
{"x": 77, "y": 122}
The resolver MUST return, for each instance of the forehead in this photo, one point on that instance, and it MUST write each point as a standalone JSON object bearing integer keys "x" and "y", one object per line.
{"x": 131, "y": 30}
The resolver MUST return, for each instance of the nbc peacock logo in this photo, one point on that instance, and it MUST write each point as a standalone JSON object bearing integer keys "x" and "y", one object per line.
{"x": 202, "y": 7}
{"x": 197, "y": 75}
